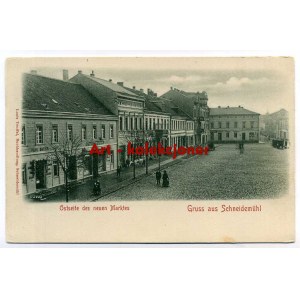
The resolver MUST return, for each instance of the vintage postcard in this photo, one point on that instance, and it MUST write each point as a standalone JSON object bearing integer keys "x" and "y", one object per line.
{"x": 150, "y": 150}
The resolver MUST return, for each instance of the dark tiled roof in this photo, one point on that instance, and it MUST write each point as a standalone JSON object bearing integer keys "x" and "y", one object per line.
{"x": 48, "y": 94}
{"x": 159, "y": 104}
{"x": 151, "y": 103}
{"x": 183, "y": 99}
{"x": 200, "y": 95}
{"x": 118, "y": 89}
{"x": 153, "y": 106}
{"x": 231, "y": 111}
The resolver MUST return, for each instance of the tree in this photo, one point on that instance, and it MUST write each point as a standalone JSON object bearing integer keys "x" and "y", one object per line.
{"x": 69, "y": 155}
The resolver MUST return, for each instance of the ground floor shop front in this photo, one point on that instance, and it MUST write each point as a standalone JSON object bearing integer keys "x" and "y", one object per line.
{"x": 234, "y": 136}
{"x": 41, "y": 171}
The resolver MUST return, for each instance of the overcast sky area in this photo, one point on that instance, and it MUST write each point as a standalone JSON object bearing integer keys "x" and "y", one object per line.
{"x": 260, "y": 85}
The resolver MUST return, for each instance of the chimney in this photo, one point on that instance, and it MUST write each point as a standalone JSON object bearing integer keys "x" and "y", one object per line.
{"x": 110, "y": 80}
{"x": 171, "y": 88}
{"x": 133, "y": 87}
{"x": 148, "y": 91}
{"x": 120, "y": 83}
{"x": 155, "y": 94}
{"x": 219, "y": 106}
{"x": 92, "y": 74}
{"x": 34, "y": 72}
{"x": 79, "y": 72}
{"x": 142, "y": 90}
{"x": 65, "y": 75}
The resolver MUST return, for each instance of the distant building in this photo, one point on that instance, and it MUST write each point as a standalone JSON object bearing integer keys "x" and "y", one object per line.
{"x": 194, "y": 105}
{"x": 55, "y": 112}
{"x": 276, "y": 125}
{"x": 233, "y": 124}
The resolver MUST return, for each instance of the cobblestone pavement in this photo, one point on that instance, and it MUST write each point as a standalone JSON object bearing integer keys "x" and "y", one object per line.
{"x": 260, "y": 172}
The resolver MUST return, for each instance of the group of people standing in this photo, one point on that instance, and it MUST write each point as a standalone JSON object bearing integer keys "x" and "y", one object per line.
{"x": 164, "y": 177}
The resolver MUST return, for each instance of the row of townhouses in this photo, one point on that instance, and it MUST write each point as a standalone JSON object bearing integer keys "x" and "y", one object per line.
{"x": 84, "y": 110}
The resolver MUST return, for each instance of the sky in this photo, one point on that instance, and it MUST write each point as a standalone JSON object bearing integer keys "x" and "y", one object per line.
{"x": 258, "y": 84}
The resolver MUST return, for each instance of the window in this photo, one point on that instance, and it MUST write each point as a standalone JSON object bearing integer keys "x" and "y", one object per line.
{"x": 251, "y": 135}
{"x": 141, "y": 123}
{"x": 165, "y": 124}
{"x": 55, "y": 168}
{"x": 23, "y": 135}
{"x": 83, "y": 132}
{"x": 121, "y": 123}
{"x": 126, "y": 123}
{"x": 154, "y": 125}
{"x": 244, "y": 124}
{"x": 227, "y": 124}
{"x": 235, "y": 124}
{"x": 146, "y": 123}
{"x": 220, "y": 124}
{"x": 135, "y": 123}
{"x": 103, "y": 131}
{"x": 70, "y": 132}
{"x": 54, "y": 134}
{"x": 227, "y": 134}
{"x": 252, "y": 124}
{"x": 94, "y": 132}
{"x": 39, "y": 134}
{"x": 111, "y": 131}
{"x": 235, "y": 135}
{"x": 24, "y": 174}
{"x": 212, "y": 125}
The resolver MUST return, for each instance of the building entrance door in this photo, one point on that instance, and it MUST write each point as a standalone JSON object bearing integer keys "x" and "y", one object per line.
{"x": 220, "y": 136}
{"x": 243, "y": 136}
{"x": 40, "y": 174}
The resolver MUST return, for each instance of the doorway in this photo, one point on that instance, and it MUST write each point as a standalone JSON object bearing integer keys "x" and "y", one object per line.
{"x": 243, "y": 136}
{"x": 40, "y": 174}
{"x": 220, "y": 136}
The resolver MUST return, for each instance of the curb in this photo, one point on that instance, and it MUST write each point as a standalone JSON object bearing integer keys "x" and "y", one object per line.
{"x": 140, "y": 177}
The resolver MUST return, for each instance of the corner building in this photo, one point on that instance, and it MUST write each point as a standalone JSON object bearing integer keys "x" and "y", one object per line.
{"x": 56, "y": 110}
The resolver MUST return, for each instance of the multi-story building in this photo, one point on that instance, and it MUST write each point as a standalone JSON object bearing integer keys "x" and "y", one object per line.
{"x": 194, "y": 105}
{"x": 166, "y": 121}
{"x": 233, "y": 124}
{"x": 128, "y": 106}
{"x": 55, "y": 114}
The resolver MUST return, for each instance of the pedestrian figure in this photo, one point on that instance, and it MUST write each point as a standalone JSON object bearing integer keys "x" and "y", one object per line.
{"x": 96, "y": 188}
{"x": 165, "y": 178}
{"x": 241, "y": 147}
{"x": 127, "y": 162}
{"x": 158, "y": 177}
{"x": 118, "y": 171}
